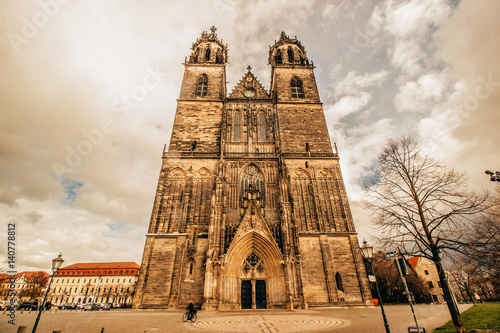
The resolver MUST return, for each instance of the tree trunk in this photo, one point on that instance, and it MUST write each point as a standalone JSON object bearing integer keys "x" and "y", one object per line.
{"x": 467, "y": 289}
{"x": 455, "y": 314}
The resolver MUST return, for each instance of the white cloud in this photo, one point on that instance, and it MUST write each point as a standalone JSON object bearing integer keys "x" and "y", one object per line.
{"x": 353, "y": 83}
{"x": 436, "y": 131}
{"x": 407, "y": 56}
{"x": 348, "y": 104}
{"x": 421, "y": 95}
{"x": 358, "y": 149}
{"x": 415, "y": 17}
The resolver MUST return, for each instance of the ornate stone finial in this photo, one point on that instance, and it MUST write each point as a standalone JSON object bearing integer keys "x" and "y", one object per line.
{"x": 283, "y": 35}
{"x": 213, "y": 29}
{"x": 249, "y": 68}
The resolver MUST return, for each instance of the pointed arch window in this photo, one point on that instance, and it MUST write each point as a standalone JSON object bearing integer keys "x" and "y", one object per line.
{"x": 262, "y": 127}
{"x": 207, "y": 54}
{"x": 237, "y": 126}
{"x": 252, "y": 177}
{"x": 290, "y": 55}
{"x": 201, "y": 88}
{"x": 278, "y": 58}
{"x": 338, "y": 279}
{"x": 218, "y": 57}
{"x": 297, "y": 88}
{"x": 191, "y": 267}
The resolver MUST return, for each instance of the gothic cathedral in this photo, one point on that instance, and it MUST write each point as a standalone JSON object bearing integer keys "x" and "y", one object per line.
{"x": 250, "y": 210}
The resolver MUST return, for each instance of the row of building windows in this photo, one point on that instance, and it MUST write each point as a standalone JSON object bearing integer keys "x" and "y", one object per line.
{"x": 295, "y": 84}
{"x": 90, "y": 289}
{"x": 90, "y": 280}
{"x": 94, "y": 272}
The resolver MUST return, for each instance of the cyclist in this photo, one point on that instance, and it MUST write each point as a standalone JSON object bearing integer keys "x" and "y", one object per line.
{"x": 191, "y": 309}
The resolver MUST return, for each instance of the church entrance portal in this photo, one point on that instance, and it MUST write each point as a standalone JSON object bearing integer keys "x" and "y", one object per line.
{"x": 246, "y": 294}
{"x": 260, "y": 294}
{"x": 247, "y": 301}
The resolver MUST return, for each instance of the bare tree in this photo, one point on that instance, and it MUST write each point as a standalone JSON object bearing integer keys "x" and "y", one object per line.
{"x": 423, "y": 208}
{"x": 35, "y": 284}
{"x": 390, "y": 284}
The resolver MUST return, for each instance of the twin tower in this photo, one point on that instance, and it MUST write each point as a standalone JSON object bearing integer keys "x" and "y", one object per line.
{"x": 250, "y": 210}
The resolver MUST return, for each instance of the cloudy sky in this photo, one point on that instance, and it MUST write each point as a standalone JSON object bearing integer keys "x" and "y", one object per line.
{"x": 80, "y": 157}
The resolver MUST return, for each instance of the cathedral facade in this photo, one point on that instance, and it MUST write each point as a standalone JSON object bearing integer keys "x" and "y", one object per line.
{"x": 250, "y": 210}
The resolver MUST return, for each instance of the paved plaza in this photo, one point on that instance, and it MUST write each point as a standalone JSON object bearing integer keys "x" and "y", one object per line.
{"x": 266, "y": 321}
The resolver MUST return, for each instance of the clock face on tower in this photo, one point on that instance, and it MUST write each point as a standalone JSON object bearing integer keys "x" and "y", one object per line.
{"x": 249, "y": 93}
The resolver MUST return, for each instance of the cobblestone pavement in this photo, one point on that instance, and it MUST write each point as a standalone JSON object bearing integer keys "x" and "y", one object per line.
{"x": 334, "y": 320}
{"x": 269, "y": 323}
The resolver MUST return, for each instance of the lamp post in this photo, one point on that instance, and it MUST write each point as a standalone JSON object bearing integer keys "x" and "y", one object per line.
{"x": 56, "y": 264}
{"x": 367, "y": 252}
{"x": 494, "y": 177}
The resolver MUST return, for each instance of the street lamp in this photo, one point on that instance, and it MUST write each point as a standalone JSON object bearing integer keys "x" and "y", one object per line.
{"x": 56, "y": 264}
{"x": 367, "y": 252}
{"x": 494, "y": 177}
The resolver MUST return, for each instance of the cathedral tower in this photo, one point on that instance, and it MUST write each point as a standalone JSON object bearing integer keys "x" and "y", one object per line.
{"x": 250, "y": 210}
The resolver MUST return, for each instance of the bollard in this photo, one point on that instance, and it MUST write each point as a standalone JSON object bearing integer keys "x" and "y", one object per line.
{"x": 21, "y": 329}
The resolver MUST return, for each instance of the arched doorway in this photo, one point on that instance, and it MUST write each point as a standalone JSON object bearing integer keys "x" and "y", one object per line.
{"x": 254, "y": 274}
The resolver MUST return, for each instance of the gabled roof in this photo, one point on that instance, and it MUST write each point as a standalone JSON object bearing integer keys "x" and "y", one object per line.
{"x": 413, "y": 261}
{"x": 28, "y": 275}
{"x": 249, "y": 82}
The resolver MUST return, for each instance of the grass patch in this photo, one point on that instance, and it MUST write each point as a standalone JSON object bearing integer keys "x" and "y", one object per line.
{"x": 482, "y": 317}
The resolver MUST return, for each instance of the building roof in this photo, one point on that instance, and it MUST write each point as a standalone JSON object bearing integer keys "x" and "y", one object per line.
{"x": 100, "y": 268}
{"x": 413, "y": 261}
{"x": 27, "y": 274}
{"x": 103, "y": 265}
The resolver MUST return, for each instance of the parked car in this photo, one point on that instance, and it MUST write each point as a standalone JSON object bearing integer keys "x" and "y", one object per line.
{"x": 68, "y": 306}
{"x": 4, "y": 305}
{"x": 29, "y": 305}
{"x": 116, "y": 305}
{"x": 106, "y": 306}
{"x": 80, "y": 306}
{"x": 91, "y": 307}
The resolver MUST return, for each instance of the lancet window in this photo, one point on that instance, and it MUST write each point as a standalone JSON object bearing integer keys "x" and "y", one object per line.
{"x": 290, "y": 55}
{"x": 262, "y": 130}
{"x": 201, "y": 88}
{"x": 252, "y": 177}
{"x": 297, "y": 88}
{"x": 237, "y": 126}
{"x": 303, "y": 198}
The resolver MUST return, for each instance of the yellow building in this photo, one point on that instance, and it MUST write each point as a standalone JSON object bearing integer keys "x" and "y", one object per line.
{"x": 27, "y": 286}
{"x": 427, "y": 271}
{"x": 106, "y": 282}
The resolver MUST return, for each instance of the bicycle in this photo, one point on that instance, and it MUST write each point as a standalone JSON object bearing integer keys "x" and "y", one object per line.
{"x": 192, "y": 317}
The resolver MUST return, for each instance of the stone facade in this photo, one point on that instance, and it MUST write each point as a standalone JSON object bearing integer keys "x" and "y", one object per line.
{"x": 250, "y": 209}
